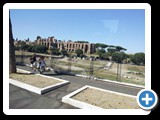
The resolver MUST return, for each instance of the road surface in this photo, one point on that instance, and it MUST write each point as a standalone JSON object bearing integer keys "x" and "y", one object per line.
{"x": 23, "y": 99}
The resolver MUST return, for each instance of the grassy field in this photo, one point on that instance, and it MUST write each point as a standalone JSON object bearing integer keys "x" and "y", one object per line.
{"x": 82, "y": 67}
{"x": 137, "y": 68}
{"x": 99, "y": 72}
{"x": 23, "y": 53}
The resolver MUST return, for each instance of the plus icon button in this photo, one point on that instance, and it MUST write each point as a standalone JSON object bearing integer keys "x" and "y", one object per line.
{"x": 147, "y": 99}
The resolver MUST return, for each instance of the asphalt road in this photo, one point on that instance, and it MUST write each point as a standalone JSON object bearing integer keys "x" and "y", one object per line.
{"x": 23, "y": 99}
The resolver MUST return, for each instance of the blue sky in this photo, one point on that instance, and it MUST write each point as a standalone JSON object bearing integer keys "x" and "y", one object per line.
{"x": 123, "y": 27}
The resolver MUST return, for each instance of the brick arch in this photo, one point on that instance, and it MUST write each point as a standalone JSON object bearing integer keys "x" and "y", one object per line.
{"x": 82, "y": 46}
{"x": 48, "y": 45}
{"x": 86, "y": 48}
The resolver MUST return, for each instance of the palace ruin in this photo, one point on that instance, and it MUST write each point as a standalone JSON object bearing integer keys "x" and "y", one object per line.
{"x": 88, "y": 48}
{"x": 69, "y": 45}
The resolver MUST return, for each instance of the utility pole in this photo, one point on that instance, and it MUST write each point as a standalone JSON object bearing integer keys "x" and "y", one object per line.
{"x": 119, "y": 67}
{"x": 91, "y": 67}
{"x": 69, "y": 63}
{"x": 22, "y": 55}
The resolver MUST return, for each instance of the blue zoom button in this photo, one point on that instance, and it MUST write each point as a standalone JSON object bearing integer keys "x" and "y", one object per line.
{"x": 147, "y": 99}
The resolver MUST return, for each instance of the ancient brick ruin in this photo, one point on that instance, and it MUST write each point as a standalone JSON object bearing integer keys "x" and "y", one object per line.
{"x": 51, "y": 42}
{"x": 69, "y": 45}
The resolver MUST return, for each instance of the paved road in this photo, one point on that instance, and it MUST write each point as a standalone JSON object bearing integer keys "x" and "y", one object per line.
{"x": 20, "y": 98}
{"x": 23, "y": 99}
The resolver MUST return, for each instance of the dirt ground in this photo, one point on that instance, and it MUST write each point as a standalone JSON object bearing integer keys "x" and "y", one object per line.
{"x": 106, "y": 100}
{"x": 34, "y": 80}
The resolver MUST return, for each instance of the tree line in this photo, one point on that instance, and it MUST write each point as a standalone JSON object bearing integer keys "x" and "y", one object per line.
{"x": 113, "y": 53}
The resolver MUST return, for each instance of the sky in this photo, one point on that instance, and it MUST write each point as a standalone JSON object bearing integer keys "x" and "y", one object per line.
{"x": 119, "y": 27}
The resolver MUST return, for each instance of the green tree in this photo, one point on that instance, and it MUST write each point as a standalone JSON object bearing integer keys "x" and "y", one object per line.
{"x": 55, "y": 51}
{"x": 41, "y": 49}
{"x": 118, "y": 57}
{"x": 105, "y": 56}
{"x": 20, "y": 43}
{"x": 81, "y": 42}
{"x": 83, "y": 56}
{"x": 12, "y": 61}
{"x": 37, "y": 48}
{"x": 138, "y": 58}
{"x": 79, "y": 52}
{"x": 64, "y": 52}
{"x": 101, "y": 46}
{"x": 119, "y": 48}
{"x": 100, "y": 51}
{"x": 16, "y": 48}
{"x": 111, "y": 49}
{"x": 24, "y": 47}
{"x": 38, "y": 37}
{"x": 29, "y": 49}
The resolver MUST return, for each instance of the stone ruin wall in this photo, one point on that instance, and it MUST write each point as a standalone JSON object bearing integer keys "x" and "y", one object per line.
{"x": 69, "y": 46}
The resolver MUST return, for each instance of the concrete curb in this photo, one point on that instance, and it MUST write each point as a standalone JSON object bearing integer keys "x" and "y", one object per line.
{"x": 67, "y": 99}
{"x": 36, "y": 89}
{"x": 111, "y": 81}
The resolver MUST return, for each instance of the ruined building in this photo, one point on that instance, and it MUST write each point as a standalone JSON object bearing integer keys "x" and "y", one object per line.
{"x": 69, "y": 45}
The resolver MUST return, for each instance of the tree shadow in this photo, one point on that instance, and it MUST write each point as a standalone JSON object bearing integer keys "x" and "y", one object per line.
{"x": 25, "y": 73}
{"x": 20, "y": 64}
{"x": 59, "y": 73}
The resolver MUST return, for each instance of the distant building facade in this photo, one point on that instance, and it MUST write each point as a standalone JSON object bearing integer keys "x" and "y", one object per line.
{"x": 88, "y": 48}
{"x": 70, "y": 46}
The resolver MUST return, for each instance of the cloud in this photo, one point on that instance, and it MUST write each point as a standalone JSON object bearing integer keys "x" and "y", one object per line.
{"x": 112, "y": 25}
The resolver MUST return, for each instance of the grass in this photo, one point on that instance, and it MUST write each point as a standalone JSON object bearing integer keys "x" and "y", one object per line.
{"x": 73, "y": 64}
{"x": 24, "y": 53}
{"x": 133, "y": 81}
{"x": 94, "y": 54}
{"x": 100, "y": 73}
{"x": 62, "y": 64}
{"x": 105, "y": 75}
{"x": 137, "y": 68}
